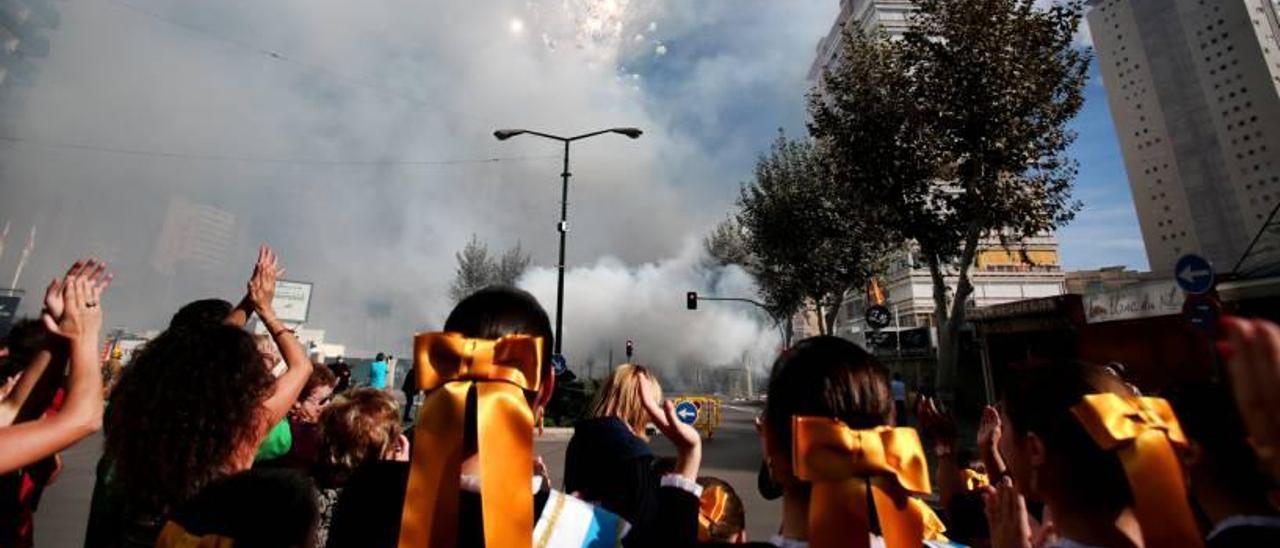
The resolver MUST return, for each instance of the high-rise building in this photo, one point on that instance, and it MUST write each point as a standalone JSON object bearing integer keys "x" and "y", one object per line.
{"x": 193, "y": 248}
{"x": 889, "y": 16}
{"x": 1194, "y": 89}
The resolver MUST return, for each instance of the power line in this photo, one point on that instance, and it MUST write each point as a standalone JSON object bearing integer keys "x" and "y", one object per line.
{"x": 261, "y": 159}
{"x": 272, "y": 54}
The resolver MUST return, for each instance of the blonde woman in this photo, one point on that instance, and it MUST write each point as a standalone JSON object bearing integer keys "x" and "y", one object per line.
{"x": 609, "y": 462}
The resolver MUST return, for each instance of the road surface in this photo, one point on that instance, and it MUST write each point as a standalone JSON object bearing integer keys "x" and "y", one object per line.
{"x": 733, "y": 454}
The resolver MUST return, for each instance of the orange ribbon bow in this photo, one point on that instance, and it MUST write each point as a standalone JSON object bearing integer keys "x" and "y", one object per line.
{"x": 842, "y": 464}
{"x": 447, "y": 366}
{"x": 174, "y": 535}
{"x": 1143, "y": 431}
{"x": 711, "y": 510}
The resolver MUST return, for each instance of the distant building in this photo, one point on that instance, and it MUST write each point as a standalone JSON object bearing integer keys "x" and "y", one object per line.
{"x": 194, "y": 248}
{"x": 1107, "y": 278}
{"x": 1194, "y": 89}
{"x": 1028, "y": 269}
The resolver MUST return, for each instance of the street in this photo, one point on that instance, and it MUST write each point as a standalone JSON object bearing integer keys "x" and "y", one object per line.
{"x": 733, "y": 454}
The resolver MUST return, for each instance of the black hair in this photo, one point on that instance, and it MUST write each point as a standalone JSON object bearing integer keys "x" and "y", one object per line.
{"x": 1207, "y": 413}
{"x": 380, "y": 357}
{"x": 26, "y": 338}
{"x": 190, "y": 399}
{"x": 827, "y": 376}
{"x": 256, "y": 508}
{"x": 496, "y": 311}
{"x": 1038, "y": 399}
{"x": 201, "y": 312}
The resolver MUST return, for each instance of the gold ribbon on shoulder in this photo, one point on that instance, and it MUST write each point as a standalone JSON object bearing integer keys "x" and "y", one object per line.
{"x": 1143, "y": 432}
{"x": 842, "y": 464}
{"x": 447, "y": 365}
{"x": 174, "y": 535}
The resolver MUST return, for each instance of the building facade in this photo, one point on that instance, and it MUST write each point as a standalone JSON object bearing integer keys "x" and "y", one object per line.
{"x": 1194, "y": 89}
{"x": 889, "y": 16}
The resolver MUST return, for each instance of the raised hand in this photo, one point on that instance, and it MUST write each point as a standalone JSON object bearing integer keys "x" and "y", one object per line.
{"x": 72, "y": 306}
{"x": 1007, "y": 516}
{"x": 1252, "y": 351}
{"x": 937, "y": 423}
{"x": 262, "y": 284}
{"x": 687, "y": 440}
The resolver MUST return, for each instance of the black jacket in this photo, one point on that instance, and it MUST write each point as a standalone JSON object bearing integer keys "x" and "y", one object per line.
{"x": 368, "y": 512}
{"x": 608, "y": 465}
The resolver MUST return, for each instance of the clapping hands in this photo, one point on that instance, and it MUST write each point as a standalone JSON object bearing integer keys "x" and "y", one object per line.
{"x": 73, "y": 304}
{"x": 262, "y": 283}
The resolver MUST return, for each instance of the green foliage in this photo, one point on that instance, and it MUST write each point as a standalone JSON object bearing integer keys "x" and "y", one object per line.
{"x": 959, "y": 132}
{"x": 810, "y": 243}
{"x": 476, "y": 270}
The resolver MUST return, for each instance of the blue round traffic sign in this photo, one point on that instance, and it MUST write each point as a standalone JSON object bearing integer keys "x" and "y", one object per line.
{"x": 687, "y": 412}
{"x": 1194, "y": 274}
{"x": 558, "y": 364}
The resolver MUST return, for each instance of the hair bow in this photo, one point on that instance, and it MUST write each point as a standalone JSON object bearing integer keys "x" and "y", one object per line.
{"x": 842, "y": 464}
{"x": 711, "y": 510}
{"x": 447, "y": 366}
{"x": 174, "y": 535}
{"x": 1143, "y": 432}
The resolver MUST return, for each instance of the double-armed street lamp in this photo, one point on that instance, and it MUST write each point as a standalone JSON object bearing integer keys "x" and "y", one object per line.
{"x": 503, "y": 135}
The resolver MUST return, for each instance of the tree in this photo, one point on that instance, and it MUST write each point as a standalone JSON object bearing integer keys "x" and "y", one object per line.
{"x": 980, "y": 150}
{"x": 512, "y": 265}
{"x": 477, "y": 270}
{"x": 727, "y": 245}
{"x": 474, "y": 271}
{"x": 809, "y": 243}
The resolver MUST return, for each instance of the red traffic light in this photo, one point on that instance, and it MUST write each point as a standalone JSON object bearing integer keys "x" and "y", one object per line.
{"x": 691, "y": 300}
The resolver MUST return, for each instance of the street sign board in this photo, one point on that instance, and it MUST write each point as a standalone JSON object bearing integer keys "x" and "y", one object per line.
{"x": 559, "y": 365}
{"x": 687, "y": 412}
{"x": 292, "y": 301}
{"x": 1194, "y": 274}
{"x": 878, "y": 316}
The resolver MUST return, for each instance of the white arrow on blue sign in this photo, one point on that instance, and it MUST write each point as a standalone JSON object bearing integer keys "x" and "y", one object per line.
{"x": 687, "y": 412}
{"x": 1194, "y": 274}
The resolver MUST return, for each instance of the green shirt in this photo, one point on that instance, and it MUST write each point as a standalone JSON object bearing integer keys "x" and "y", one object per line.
{"x": 277, "y": 442}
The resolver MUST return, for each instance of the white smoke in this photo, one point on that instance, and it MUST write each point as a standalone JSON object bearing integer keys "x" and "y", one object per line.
{"x": 608, "y": 303}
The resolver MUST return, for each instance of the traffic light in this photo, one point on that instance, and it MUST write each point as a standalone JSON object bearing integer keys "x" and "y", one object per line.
{"x": 631, "y": 348}
{"x": 691, "y": 300}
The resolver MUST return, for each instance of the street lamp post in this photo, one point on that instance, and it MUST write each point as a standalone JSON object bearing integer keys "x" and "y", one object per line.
{"x": 504, "y": 134}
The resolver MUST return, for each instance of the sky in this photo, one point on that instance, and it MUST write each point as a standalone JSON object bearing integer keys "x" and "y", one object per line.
{"x": 356, "y": 138}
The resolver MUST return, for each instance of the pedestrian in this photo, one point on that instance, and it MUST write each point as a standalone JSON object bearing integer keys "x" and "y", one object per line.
{"x": 193, "y": 407}
{"x": 361, "y": 427}
{"x": 826, "y": 393}
{"x": 1099, "y": 457}
{"x": 378, "y": 372}
{"x": 342, "y": 371}
{"x": 40, "y": 421}
{"x": 479, "y": 497}
{"x": 899, "y": 389}
{"x": 608, "y": 459}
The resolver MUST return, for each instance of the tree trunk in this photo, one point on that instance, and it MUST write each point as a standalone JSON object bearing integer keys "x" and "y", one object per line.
{"x": 951, "y": 321}
{"x": 833, "y": 312}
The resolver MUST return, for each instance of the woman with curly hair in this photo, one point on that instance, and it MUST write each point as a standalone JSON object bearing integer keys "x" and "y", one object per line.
{"x": 192, "y": 408}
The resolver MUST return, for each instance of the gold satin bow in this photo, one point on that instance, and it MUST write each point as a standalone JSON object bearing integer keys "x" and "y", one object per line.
{"x": 1143, "y": 432}
{"x": 711, "y": 508}
{"x": 174, "y": 535}
{"x": 447, "y": 365}
{"x": 842, "y": 464}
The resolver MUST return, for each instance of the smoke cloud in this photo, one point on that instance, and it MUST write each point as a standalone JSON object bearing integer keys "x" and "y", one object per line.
{"x": 356, "y": 138}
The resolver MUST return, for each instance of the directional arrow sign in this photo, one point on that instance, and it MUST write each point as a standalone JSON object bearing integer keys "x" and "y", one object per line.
{"x": 687, "y": 412}
{"x": 1194, "y": 274}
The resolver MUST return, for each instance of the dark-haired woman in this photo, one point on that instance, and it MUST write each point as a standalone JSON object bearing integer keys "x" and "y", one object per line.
{"x": 1100, "y": 458}
{"x": 829, "y": 403}
{"x": 500, "y": 335}
{"x": 193, "y": 407}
